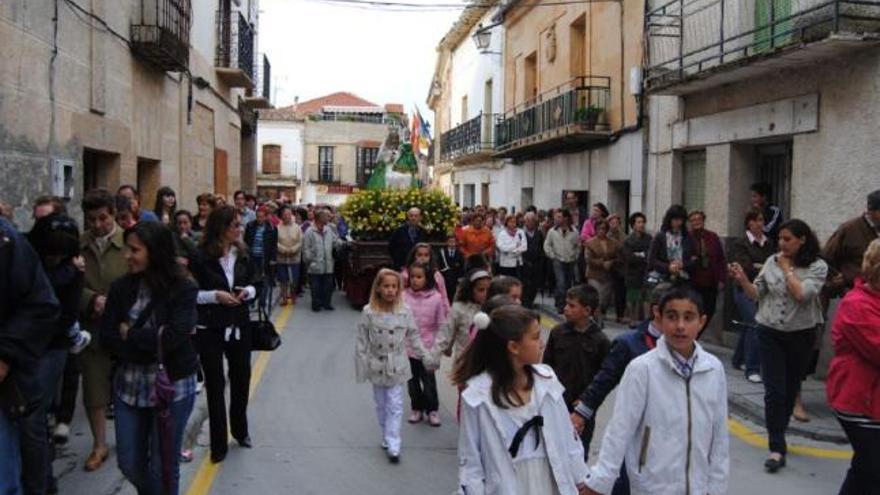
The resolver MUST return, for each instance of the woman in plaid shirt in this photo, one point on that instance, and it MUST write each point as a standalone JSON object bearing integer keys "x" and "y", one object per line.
{"x": 155, "y": 294}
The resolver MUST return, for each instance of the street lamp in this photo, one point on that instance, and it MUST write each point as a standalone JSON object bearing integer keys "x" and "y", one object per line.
{"x": 483, "y": 38}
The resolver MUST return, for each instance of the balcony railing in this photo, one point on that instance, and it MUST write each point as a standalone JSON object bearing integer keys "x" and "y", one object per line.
{"x": 234, "y": 59}
{"x": 470, "y": 139}
{"x": 364, "y": 118}
{"x": 260, "y": 96}
{"x": 693, "y": 39}
{"x": 570, "y": 115}
{"x": 160, "y": 35}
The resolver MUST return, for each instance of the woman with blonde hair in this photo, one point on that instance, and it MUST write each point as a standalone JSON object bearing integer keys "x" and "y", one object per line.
{"x": 381, "y": 354}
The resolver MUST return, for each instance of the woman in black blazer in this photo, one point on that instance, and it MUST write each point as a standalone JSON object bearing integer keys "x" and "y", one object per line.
{"x": 155, "y": 294}
{"x": 225, "y": 276}
{"x": 671, "y": 252}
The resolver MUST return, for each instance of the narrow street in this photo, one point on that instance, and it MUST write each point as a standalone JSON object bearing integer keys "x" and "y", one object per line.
{"x": 314, "y": 432}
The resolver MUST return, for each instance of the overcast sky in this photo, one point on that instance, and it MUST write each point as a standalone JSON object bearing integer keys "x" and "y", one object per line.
{"x": 317, "y": 49}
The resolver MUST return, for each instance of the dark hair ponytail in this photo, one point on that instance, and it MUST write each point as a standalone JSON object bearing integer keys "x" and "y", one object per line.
{"x": 488, "y": 352}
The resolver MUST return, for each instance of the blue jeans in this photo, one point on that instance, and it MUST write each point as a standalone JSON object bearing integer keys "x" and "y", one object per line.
{"x": 748, "y": 349}
{"x": 10, "y": 467}
{"x": 564, "y": 274}
{"x": 36, "y": 452}
{"x": 137, "y": 444}
{"x": 287, "y": 274}
{"x": 322, "y": 285}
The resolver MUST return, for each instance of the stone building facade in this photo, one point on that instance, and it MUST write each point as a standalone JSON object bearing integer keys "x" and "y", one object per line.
{"x": 163, "y": 95}
{"x": 784, "y": 96}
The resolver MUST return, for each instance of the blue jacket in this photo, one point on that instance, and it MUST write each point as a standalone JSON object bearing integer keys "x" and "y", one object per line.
{"x": 624, "y": 349}
{"x": 28, "y": 308}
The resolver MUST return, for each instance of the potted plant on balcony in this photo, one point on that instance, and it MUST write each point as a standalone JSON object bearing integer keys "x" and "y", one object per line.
{"x": 589, "y": 116}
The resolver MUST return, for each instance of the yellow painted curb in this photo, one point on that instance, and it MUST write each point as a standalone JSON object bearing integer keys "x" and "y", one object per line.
{"x": 757, "y": 440}
{"x": 207, "y": 473}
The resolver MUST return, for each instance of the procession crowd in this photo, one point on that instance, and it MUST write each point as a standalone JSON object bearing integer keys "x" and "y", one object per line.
{"x": 144, "y": 307}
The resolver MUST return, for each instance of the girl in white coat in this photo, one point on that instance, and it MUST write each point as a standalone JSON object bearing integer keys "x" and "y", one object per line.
{"x": 515, "y": 436}
{"x": 386, "y": 330}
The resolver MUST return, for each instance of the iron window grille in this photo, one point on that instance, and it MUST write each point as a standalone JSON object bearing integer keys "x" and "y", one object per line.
{"x": 161, "y": 34}
{"x": 472, "y": 137}
{"x": 235, "y": 42}
{"x": 687, "y": 37}
{"x": 325, "y": 163}
{"x": 573, "y": 107}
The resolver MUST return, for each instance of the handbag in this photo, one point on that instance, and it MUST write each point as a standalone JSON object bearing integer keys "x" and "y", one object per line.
{"x": 163, "y": 398}
{"x": 12, "y": 402}
{"x": 264, "y": 337}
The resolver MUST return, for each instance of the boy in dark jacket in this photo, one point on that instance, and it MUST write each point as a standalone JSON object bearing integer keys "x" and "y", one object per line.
{"x": 577, "y": 348}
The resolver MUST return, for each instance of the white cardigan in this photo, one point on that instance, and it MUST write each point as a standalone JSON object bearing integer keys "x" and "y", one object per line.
{"x": 649, "y": 428}
{"x": 510, "y": 248}
{"x": 485, "y": 465}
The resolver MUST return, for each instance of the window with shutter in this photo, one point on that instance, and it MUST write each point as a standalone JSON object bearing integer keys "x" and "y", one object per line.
{"x": 693, "y": 177}
{"x": 325, "y": 163}
{"x": 271, "y": 159}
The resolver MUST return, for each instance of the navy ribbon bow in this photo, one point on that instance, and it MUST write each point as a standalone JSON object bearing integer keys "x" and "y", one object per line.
{"x": 537, "y": 423}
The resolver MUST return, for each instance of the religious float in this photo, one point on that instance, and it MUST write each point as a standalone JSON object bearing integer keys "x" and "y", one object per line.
{"x": 373, "y": 214}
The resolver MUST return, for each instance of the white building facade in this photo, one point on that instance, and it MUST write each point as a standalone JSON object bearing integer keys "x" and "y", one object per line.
{"x": 280, "y": 155}
{"x": 467, "y": 96}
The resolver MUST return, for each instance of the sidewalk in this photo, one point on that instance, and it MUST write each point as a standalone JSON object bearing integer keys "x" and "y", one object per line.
{"x": 746, "y": 399}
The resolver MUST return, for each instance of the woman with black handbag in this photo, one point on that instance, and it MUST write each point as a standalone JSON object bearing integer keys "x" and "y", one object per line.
{"x": 225, "y": 276}
{"x": 149, "y": 315}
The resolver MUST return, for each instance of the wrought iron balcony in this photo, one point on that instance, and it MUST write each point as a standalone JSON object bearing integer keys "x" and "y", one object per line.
{"x": 699, "y": 44}
{"x": 260, "y": 96}
{"x": 569, "y": 117}
{"x": 470, "y": 141}
{"x": 161, "y": 34}
{"x": 234, "y": 60}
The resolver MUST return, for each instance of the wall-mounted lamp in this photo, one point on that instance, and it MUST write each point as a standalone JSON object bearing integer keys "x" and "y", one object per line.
{"x": 483, "y": 38}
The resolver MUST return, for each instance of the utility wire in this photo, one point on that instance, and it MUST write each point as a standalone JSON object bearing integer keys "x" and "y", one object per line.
{"x": 398, "y": 6}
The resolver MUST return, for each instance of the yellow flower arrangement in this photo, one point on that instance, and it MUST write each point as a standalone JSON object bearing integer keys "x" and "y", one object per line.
{"x": 373, "y": 215}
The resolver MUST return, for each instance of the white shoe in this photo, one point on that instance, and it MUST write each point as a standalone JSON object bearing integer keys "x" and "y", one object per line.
{"x": 61, "y": 433}
{"x": 754, "y": 378}
{"x": 199, "y": 386}
{"x": 82, "y": 341}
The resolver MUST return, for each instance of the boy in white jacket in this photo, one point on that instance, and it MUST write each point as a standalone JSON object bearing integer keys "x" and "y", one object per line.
{"x": 670, "y": 414}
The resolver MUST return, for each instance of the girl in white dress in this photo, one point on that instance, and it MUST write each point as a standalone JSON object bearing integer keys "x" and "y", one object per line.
{"x": 515, "y": 437}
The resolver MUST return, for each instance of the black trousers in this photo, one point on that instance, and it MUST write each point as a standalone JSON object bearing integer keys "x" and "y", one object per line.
{"x": 212, "y": 348}
{"x": 422, "y": 388}
{"x": 533, "y": 280}
{"x": 510, "y": 272}
{"x": 784, "y": 358}
{"x": 322, "y": 289}
{"x": 863, "y": 477}
{"x": 66, "y": 402}
{"x": 619, "y": 292}
{"x": 709, "y": 295}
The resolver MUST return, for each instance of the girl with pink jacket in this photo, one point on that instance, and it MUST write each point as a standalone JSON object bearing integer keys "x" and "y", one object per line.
{"x": 430, "y": 309}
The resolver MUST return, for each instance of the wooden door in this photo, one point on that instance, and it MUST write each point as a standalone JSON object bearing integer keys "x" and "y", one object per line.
{"x": 221, "y": 171}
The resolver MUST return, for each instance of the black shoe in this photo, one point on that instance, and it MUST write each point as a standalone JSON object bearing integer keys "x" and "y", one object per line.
{"x": 316, "y": 309}
{"x": 772, "y": 465}
{"x": 245, "y": 442}
{"x": 394, "y": 458}
{"x": 217, "y": 457}
{"x": 329, "y": 308}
